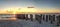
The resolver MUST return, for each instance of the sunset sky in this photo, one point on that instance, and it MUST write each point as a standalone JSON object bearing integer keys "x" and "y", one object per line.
{"x": 39, "y": 5}
{"x": 5, "y": 4}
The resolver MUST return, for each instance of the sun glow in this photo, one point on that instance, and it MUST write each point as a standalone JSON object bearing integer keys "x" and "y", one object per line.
{"x": 28, "y": 10}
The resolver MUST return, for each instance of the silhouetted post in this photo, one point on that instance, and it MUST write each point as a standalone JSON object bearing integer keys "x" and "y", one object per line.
{"x": 52, "y": 18}
{"x": 26, "y": 16}
{"x": 39, "y": 18}
{"x": 58, "y": 20}
{"x": 23, "y": 16}
{"x": 47, "y": 18}
{"x": 43, "y": 17}
{"x": 36, "y": 17}
{"x": 31, "y": 17}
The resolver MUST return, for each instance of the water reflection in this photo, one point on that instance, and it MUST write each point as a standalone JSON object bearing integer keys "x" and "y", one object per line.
{"x": 36, "y": 20}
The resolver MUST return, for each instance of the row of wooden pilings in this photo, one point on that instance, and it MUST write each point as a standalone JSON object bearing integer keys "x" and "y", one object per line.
{"x": 52, "y": 18}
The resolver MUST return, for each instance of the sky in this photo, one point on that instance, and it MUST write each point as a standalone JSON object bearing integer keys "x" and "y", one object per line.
{"x": 47, "y": 3}
{"x": 25, "y": 3}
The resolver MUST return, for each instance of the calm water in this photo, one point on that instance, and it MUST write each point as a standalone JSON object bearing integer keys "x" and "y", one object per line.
{"x": 24, "y": 23}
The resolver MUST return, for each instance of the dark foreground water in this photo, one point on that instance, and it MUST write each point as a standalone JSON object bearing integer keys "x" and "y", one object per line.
{"x": 24, "y": 23}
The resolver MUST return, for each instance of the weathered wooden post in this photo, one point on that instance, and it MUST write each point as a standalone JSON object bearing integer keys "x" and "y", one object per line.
{"x": 38, "y": 18}
{"x": 26, "y": 16}
{"x": 58, "y": 20}
{"x": 43, "y": 17}
{"x": 31, "y": 17}
{"x": 47, "y": 18}
{"x": 52, "y": 18}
